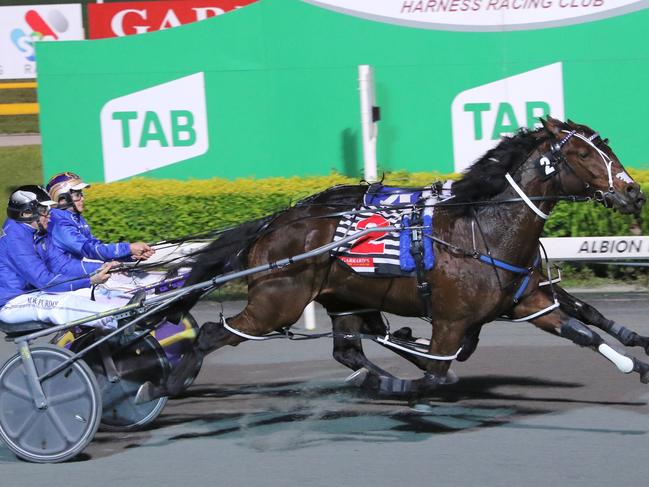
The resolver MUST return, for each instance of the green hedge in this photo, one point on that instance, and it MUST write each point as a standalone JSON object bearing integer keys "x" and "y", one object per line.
{"x": 152, "y": 210}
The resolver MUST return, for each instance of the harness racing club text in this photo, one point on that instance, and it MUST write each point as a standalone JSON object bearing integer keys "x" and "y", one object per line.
{"x": 422, "y": 6}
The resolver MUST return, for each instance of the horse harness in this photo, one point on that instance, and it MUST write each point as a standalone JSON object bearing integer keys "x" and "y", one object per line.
{"x": 547, "y": 165}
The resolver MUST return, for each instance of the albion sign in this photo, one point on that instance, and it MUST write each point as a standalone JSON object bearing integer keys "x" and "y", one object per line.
{"x": 484, "y": 15}
{"x": 596, "y": 248}
{"x": 124, "y": 18}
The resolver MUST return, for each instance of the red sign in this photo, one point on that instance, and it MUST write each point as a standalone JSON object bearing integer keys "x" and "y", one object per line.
{"x": 126, "y": 18}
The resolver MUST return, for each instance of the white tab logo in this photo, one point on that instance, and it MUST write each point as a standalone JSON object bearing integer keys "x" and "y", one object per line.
{"x": 154, "y": 128}
{"x": 482, "y": 115}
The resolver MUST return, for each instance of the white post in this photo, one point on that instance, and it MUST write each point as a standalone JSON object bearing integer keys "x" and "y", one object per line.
{"x": 309, "y": 316}
{"x": 368, "y": 124}
{"x": 370, "y": 132}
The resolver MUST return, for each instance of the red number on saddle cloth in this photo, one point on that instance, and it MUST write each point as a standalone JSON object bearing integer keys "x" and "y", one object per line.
{"x": 368, "y": 244}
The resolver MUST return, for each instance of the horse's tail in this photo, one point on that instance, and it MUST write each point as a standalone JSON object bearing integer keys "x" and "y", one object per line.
{"x": 227, "y": 253}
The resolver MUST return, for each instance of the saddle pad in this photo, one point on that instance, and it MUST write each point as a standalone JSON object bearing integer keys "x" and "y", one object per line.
{"x": 388, "y": 254}
{"x": 381, "y": 254}
{"x": 374, "y": 254}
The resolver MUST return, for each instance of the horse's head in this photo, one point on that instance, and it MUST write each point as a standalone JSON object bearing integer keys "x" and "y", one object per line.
{"x": 585, "y": 164}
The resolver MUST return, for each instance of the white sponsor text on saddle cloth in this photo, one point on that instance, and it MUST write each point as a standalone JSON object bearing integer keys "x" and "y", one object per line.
{"x": 29, "y": 291}
{"x": 388, "y": 253}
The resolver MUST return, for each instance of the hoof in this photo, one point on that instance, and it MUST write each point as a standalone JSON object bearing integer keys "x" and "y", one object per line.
{"x": 357, "y": 377}
{"x": 428, "y": 383}
{"x": 469, "y": 344}
{"x": 371, "y": 381}
{"x": 393, "y": 386}
{"x": 642, "y": 369}
{"x": 387, "y": 385}
{"x": 147, "y": 392}
{"x": 404, "y": 333}
{"x": 451, "y": 378}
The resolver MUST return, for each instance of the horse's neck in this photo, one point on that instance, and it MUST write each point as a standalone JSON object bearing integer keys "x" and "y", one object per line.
{"x": 515, "y": 229}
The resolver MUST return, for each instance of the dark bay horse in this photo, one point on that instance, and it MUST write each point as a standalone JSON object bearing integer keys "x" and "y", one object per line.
{"x": 558, "y": 159}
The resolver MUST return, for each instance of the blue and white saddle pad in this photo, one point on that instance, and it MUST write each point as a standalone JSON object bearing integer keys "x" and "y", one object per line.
{"x": 386, "y": 253}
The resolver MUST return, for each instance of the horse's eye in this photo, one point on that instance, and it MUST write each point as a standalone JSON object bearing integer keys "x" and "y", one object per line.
{"x": 583, "y": 154}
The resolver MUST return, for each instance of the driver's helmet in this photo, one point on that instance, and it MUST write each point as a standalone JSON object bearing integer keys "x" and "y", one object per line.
{"x": 28, "y": 202}
{"x": 59, "y": 187}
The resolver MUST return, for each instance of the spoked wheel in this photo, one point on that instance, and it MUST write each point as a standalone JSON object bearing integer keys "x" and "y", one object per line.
{"x": 135, "y": 364}
{"x": 178, "y": 339}
{"x": 70, "y": 420}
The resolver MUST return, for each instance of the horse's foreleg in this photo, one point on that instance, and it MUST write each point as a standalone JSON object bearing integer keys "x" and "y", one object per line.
{"x": 560, "y": 323}
{"x": 591, "y": 316}
{"x": 444, "y": 346}
{"x": 420, "y": 362}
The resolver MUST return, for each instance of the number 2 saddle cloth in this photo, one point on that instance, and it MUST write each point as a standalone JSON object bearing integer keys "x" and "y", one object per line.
{"x": 388, "y": 254}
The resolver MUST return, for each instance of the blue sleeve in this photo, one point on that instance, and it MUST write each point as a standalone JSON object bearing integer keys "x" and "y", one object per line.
{"x": 31, "y": 267}
{"x": 67, "y": 236}
{"x": 77, "y": 267}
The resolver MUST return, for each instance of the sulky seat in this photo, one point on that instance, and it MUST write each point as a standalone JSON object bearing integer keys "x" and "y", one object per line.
{"x": 15, "y": 330}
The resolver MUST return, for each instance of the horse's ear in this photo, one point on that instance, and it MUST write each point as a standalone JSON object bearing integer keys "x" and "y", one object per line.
{"x": 552, "y": 125}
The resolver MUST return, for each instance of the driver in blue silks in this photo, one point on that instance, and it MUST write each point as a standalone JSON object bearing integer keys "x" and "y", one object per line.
{"x": 71, "y": 239}
{"x": 29, "y": 290}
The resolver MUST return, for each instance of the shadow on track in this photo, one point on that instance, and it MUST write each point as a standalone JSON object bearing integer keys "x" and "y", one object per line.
{"x": 285, "y": 416}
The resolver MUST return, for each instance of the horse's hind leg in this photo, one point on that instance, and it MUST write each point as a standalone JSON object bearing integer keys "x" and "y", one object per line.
{"x": 269, "y": 308}
{"x": 211, "y": 336}
{"x": 348, "y": 346}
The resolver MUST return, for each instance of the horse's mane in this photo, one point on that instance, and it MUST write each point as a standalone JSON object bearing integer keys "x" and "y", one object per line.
{"x": 341, "y": 195}
{"x": 486, "y": 177}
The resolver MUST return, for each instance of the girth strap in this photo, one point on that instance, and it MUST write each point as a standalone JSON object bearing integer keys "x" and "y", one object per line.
{"x": 417, "y": 252}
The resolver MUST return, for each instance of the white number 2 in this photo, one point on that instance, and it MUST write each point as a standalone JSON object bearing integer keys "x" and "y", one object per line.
{"x": 547, "y": 165}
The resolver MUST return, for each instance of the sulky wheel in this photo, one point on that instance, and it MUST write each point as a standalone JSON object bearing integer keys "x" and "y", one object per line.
{"x": 132, "y": 365}
{"x": 68, "y": 423}
{"x": 178, "y": 339}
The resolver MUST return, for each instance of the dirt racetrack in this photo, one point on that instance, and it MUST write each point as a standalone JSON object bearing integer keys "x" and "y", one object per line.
{"x": 530, "y": 409}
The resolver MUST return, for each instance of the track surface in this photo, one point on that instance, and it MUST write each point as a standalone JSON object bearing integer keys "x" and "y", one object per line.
{"x": 530, "y": 409}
